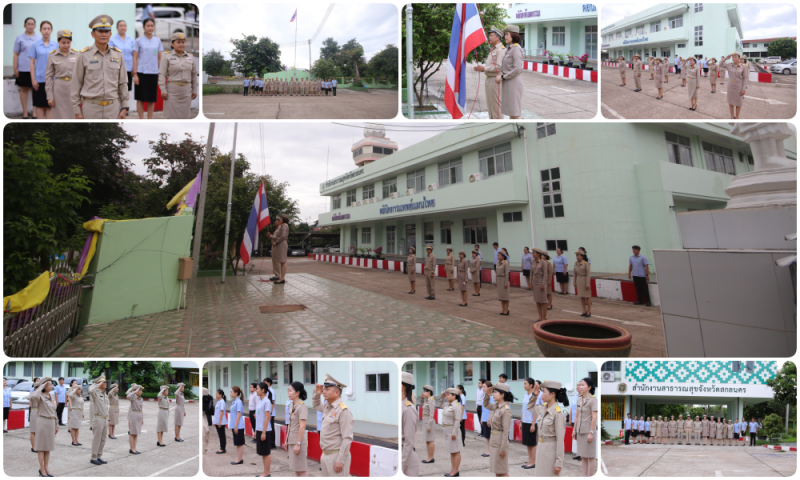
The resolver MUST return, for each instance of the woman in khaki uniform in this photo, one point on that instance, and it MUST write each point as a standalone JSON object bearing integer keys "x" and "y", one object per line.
{"x": 46, "y": 426}
{"x": 33, "y": 414}
{"x": 281, "y": 249}
{"x": 622, "y": 66}
{"x": 408, "y": 415}
{"x": 429, "y": 422}
{"x": 463, "y": 267}
{"x": 512, "y": 87}
{"x": 411, "y": 268}
{"x": 582, "y": 273}
{"x": 739, "y": 74}
{"x": 548, "y": 280}
{"x": 551, "y": 427}
{"x": 651, "y": 65}
{"x": 75, "y": 422}
{"x": 729, "y": 432}
{"x": 451, "y": 423}
{"x": 180, "y": 410}
{"x": 500, "y": 424}
{"x": 720, "y": 429}
{"x": 665, "y": 65}
{"x": 713, "y": 72}
{"x": 59, "y": 73}
{"x": 691, "y": 72}
{"x": 659, "y": 78}
{"x": 706, "y": 428}
{"x": 449, "y": 266}
{"x": 163, "y": 414}
{"x": 682, "y": 63}
{"x": 298, "y": 455}
{"x": 697, "y": 429}
{"x": 136, "y": 417}
{"x": 586, "y": 426}
{"x": 672, "y": 427}
{"x": 180, "y": 70}
{"x": 637, "y": 72}
{"x": 113, "y": 410}
{"x": 502, "y": 273}
{"x": 539, "y": 273}
{"x": 688, "y": 427}
{"x": 655, "y": 429}
{"x": 475, "y": 272}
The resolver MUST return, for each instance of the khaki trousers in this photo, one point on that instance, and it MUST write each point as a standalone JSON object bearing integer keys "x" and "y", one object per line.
{"x": 327, "y": 462}
{"x": 100, "y": 432}
{"x": 430, "y": 284}
{"x": 276, "y": 267}
{"x": 493, "y": 95}
{"x": 637, "y": 80}
{"x": 93, "y": 111}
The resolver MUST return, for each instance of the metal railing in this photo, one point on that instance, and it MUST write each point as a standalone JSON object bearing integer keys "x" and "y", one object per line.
{"x": 41, "y": 330}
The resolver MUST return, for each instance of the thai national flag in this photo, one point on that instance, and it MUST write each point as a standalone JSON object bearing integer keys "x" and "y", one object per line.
{"x": 293, "y": 16}
{"x": 467, "y": 34}
{"x": 259, "y": 218}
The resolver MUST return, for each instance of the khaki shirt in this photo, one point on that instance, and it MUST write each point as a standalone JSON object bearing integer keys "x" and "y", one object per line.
{"x": 430, "y": 264}
{"x": 409, "y": 423}
{"x": 698, "y": 426}
{"x": 178, "y": 69}
{"x": 637, "y": 67}
{"x": 113, "y": 399}
{"x": 552, "y": 426}
{"x": 500, "y": 423}
{"x": 584, "y": 410}
{"x": 281, "y": 235}
{"x": 299, "y": 412}
{"x": 163, "y": 401}
{"x": 60, "y": 66}
{"x": 76, "y": 401}
{"x": 411, "y": 264}
{"x": 428, "y": 409}
{"x": 179, "y": 399}
{"x": 680, "y": 424}
{"x": 673, "y": 426}
{"x": 136, "y": 402}
{"x": 450, "y": 262}
{"x": 99, "y": 400}
{"x": 100, "y": 76}
{"x": 336, "y": 431}
{"x": 47, "y": 407}
{"x": 451, "y": 418}
{"x": 494, "y": 62}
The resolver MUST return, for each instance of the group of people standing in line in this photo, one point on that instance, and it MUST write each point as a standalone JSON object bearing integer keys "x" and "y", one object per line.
{"x": 48, "y": 400}
{"x": 334, "y": 424}
{"x": 543, "y": 425}
{"x": 503, "y": 86}
{"x": 690, "y": 73}
{"x": 95, "y": 82}
{"x": 260, "y": 87}
{"x": 657, "y": 431}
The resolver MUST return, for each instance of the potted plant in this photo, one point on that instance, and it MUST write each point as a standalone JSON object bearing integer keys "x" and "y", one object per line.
{"x": 546, "y": 57}
{"x": 561, "y": 58}
{"x": 550, "y": 55}
{"x": 379, "y": 253}
{"x": 570, "y": 56}
{"x": 352, "y": 251}
{"x": 583, "y": 59}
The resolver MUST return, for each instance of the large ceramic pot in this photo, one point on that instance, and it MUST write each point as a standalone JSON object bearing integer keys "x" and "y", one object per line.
{"x": 581, "y": 338}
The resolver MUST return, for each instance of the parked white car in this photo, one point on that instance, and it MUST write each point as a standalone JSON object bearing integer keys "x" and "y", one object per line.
{"x": 769, "y": 60}
{"x": 789, "y": 67}
{"x": 169, "y": 20}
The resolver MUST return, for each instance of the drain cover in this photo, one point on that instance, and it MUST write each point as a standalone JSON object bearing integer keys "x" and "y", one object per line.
{"x": 281, "y": 308}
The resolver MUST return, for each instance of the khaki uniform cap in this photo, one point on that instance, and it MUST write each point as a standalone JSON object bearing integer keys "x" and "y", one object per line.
{"x": 502, "y": 387}
{"x": 178, "y": 36}
{"x": 454, "y": 391}
{"x": 427, "y": 387}
{"x": 552, "y": 384}
{"x": 101, "y": 22}
{"x": 407, "y": 378}
{"x": 496, "y": 31}
{"x": 64, "y": 34}
{"x": 512, "y": 29}
{"x": 329, "y": 381}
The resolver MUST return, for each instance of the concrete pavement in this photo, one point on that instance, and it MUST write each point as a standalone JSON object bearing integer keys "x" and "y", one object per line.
{"x": 377, "y": 104}
{"x": 696, "y": 461}
{"x": 177, "y": 459}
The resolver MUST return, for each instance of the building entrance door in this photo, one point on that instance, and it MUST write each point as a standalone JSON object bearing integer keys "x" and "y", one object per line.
{"x": 391, "y": 233}
{"x": 411, "y": 237}
{"x": 450, "y": 369}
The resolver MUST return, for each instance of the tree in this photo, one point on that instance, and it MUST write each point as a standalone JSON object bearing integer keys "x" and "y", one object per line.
{"x": 215, "y": 64}
{"x": 773, "y": 426}
{"x": 323, "y": 68}
{"x": 783, "y": 47}
{"x": 149, "y": 375}
{"x": 697, "y": 411}
{"x": 351, "y": 54}
{"x": 253, "y": 55}
{"x": 665, "y": 410}
{"x": 432, "y": 25}
{"x": 384, "y": 64}
{"x": 40, "y": 209}
{"x": 784, "y": 386}
{"x": 329, "y": 50}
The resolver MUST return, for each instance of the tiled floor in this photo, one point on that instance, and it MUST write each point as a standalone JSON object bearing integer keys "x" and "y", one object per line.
{"x": 340, "y": 321}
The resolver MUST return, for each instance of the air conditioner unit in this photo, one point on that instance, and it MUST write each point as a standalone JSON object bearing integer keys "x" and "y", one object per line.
{"x": 395, "y": 195}
{"x": 475, "y": 177}
{"x": 359, "y": 203}
{"x": 432, "y": 187}
{"x": 608, "y": 376}
{"x": 410, "y": 192}
{"x": 372, "y": 200}
{"x": 353, "y": 204}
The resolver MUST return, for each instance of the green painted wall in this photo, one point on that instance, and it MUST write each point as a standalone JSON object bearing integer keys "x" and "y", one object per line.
{"x": 290, "y": 75}
{"x": 137, "y": 263}
{"x": 48, "y": 369}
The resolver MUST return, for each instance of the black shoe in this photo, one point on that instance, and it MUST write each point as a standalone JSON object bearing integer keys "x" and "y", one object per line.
{"x": 178, "y": 439}
{"x": 448, "y": 475}
{"x": 411, "y": 293}
{"x": 431, "y": 298}
{"x": 112, "y": 438}
{"x": 40, "y": 472}
{"x": 101, "y": 461}
{"x": 484, "y": 454}
{"x": 583, "y": 314}
{"x": 75, "y": 444}
{"x": 221, "y": 452}
{"x": 95, "y": 462}
{"x": 34, "y": 451}
{"x": 648, "y": 304}
{"x": 464, "y": 305}
{"x": 5, "y": 431}
{"x": 476, "y": 294}
{"x": 576, "y": 457}
{"x": 280, "y": 282}
{"x": 431, "y": 461}
{"x": 238, "y": 463}
{"x": 638, "y": 303}
{"x": 526, "y": 467}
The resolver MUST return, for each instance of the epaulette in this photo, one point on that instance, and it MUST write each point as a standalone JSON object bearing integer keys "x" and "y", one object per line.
{"x": 592, "y": 396}
{"x": 302, "y": 402}
{"x": 507, "y": 407}
{"x": 342, "y": 406}
{"x": 516, "y": 44}
{"x": 116, "y": 49}
{"x": 53, "y": 51}
{"x": 558, "y": 409}
{"x": 502, "y": 46}
{"x": 86, "y": 48}
{"x": 408, "y": 403}
{"x": 74, "y": 50}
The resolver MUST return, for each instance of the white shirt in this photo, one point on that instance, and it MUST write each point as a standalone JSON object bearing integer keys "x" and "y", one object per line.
{"x": 479, "y": 397}
{"x": 641, "y": 425}
{"x": 527, "y": 415}
{"x": 252, "y": 402}
{"x": 627, "y": 424}
{"x": 264, "y": 405}
{"x": 463, "y": 407}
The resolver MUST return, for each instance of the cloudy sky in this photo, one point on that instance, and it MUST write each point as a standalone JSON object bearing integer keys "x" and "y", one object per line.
{"x": 759, "y": 20}
{"x": 293, "y": 152}
{"x": 374, "y": 25}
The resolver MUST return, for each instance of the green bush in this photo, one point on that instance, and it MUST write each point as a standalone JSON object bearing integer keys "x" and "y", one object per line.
{"x": 212, "y": 89}
{"x": 773, "y": 426}
{"x": 604, "y": 435}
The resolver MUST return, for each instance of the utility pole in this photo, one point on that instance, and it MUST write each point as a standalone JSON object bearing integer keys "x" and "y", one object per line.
{"x": 228, "y": 214}
{"x": 409, "y": 61}
{"x": 201, "y": 208}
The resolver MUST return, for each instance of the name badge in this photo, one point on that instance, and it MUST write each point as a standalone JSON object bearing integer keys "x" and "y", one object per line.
{"x": 94, "y": 61}
{"x": 114, "y": 60}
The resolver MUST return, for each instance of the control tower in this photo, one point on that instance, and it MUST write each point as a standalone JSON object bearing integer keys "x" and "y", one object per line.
{"x": 373, "y": 146}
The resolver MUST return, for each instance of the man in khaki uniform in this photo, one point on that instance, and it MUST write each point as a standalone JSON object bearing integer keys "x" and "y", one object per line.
{"x": 430, "y": 273}
{"x": 97, "y": 393}
{"x": 679, "y": 427}
{"x": 637, "y": 72}
{"x": 698, "y": 429}
{"x": 673, "y": 429}
{"x": 492, "y": 69}
{"x": 101, "y": 79}
{"x": 336, "y": 431}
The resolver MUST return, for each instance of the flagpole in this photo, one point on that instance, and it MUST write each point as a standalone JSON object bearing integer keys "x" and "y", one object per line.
{"x": 201, "y": 208}
{"x": 296, "y": 21}
{"x": 228, "y": 214}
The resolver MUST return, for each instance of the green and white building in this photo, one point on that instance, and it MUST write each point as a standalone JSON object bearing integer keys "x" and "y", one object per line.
{"x": 29, "y": 370}
{"x": 629, "y": 386}
{"x": 702, "y": 30}
{"x": 372, "y": 392}
{"x": 758, "y": 48}
{"x": 558, "y": 27}
{"x": 603, "y": 186}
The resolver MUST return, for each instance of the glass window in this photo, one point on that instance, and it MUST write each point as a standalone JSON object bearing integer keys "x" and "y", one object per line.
{"x": 545, "y": 129}
{"x": 611, "y": 367}
{"x": 745, "y": 45}
{"x": 358, "y": 151}
{"x": 55, "y": 370}
{"x": 718, "y": 159}
{"x": 38, "y": 369}
{"x": 432, "y": 373}
{"x": 389, "y": 187}
{"x": 428, "y": 228}
{"x": 391, "y": 238}
{"x": 337, "y": 202}
{"x": 681, "y": 45}
{"x": 640, "y": 30}
{"x": 655, "y": 27}
{"x": 627, "y": 33}
{"x": 676, "y": 21}
{"x": 495, "y": 160}
{"x": 377, "y": 382}
{"x": 450, "y": 172}
{"x": 552, "y": 200}
{"x": 273, "y": 371}
{"x": 698, "y": 36}
{"x": 225, "y": 376}
{"x": 466, "y": 372}
{"x": 679, "y": 149}
{"x": 766, "y": 45}
{"x": 351, "y": 197}
{"x": 750, "y": 367}
{"x": 416, "y": 180}
{"x": 445, "y": 228}
{"x": 516, "y": 370}
{"x": 553, "y": 245}
{"x": 512, "y": 217}
{"x": 698, "y": 7}
{"x": 310, "y": 373}
{"x": 619, "y": 35}
{"x": 612, "y": 407}
{"x": 288, "y": 373}
{"x": 11, "y": 368}
{"x": 367, "y": 192}
{"x": 366, "y": 235}
{"x": 27, "y": 369}
{"x": 736, "y": 366}
{"x": 559, "y": 34}
{"x": 475, "y": 231}
{"x": 486, "y": 370}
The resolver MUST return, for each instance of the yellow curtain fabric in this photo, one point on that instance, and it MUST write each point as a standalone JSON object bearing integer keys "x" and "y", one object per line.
{"x": 30, "y": 296}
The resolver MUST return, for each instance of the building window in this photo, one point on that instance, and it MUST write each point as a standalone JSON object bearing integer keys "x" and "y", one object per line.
{"x": 288, "y": 373}
{"x": 416, "y": 180}
{"x": 698, "y": 36}
{"x": 466, "y": 372}
{"x": 611, "y": 367}
{"x": 450, "y": 172}
{"x": 679, "y": 149}
{"x": 225, "y": 377}
{"x": 391, "y": 237}
{"x": 432, "y": 373}
{"x": 351, "y": 197}
{"x": 246, "y": 375}
{"x": 337, "y": 202}
{"x": 11, "y": 368}
{"x": 613, "y": 407}
{"x": 517, "y": 370}
{"x": 367, "y": 192}
{"x": 553, "y": 245}
{"x": 698, "y": 7}
{"x": 640, "y": 30}
{"x": 676, "y": 21}
{"x": 366, "y": 235}
{"x": 358, "y": 151}
{"x": 273, "y": 371}
{"x": 750, "y": 159}
{"x": 377, "y": 382}
{"x": 718, "y": 159}
{"x": 55, "y": 370}
{"x": 486, "y": 370}
{"x": 408, "y": 367}
{"x": 27, "y": 369}
{"x": 475, "y": 231}
{"x": 655, "y": 27}
{"x": 745, "y": 45}
{"x": 755, "y": 45}
{"x": 512, "y": 217}
{"x": 619, "y": 35}
{"x": 681, "y": 45}
{"x": 559, "y": 34}
{"x": 389, "y": 187}
{"x": 428, "y": 229}
{"x": 310, "y": 373}
{"x": 736, "y": 367}
{"x": 551, "y": 193}
{"x": 766, "y": 45}
{"x": 75, "y": 369}
{"x": 545, "y": 129}
{"x": 627, "y": 33}
{"x": 750, "y": 367}
{"x": 495, "y": 160}
{"x": 445, "y": 228}
{"x": 38, "y": 369}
